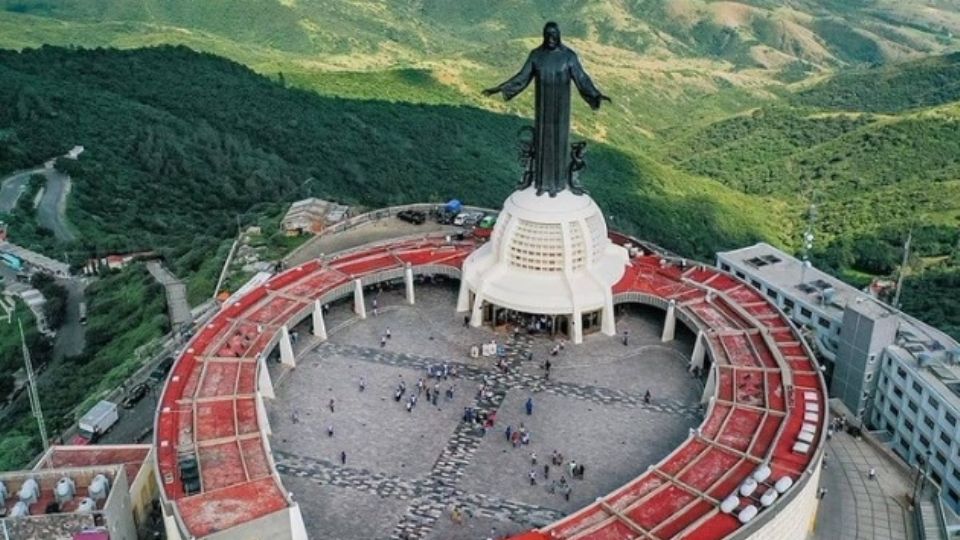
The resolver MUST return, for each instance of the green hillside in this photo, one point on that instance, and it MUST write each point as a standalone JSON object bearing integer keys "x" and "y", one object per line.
{"x": 168, "y": 166}
{"x": 744, "y": 112}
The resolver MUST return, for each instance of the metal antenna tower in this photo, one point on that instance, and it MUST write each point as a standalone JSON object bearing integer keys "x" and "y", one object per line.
{"x": 32, "y": 390}
{"x": 903, "y": 270}
{"x": 808, "y": 241}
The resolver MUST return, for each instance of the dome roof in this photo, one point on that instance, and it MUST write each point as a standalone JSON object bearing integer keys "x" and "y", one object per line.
{"x": 547, "y": 255}
{"x": 551, "y": 235}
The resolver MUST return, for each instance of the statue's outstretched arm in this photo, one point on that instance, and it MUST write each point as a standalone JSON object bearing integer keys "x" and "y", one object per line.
{"x": 516, "y": 84}
{"x": 588, "y": 91}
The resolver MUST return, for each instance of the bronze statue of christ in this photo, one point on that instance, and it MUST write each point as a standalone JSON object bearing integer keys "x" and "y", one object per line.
{"x": 552, "y": 65}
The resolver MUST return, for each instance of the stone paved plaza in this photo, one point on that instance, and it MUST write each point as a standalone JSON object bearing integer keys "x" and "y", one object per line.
{"x": 406, "y": 471}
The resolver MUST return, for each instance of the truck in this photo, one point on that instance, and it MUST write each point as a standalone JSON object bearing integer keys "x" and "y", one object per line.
{"x": 96, "y": 422}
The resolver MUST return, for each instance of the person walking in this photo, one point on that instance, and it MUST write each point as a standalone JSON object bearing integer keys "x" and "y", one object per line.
{"x": 533, "y": 458}
{"x": 330, "y": 430}
{"x": 363, "y": 384}
{"x": 332, "y": 401}
{"x": 389, "y": 335}
{"x": 529, "y": 406}
{"x": 546, "y": 470}
{"x": 383, "y": 341}
{"x": 343, "y": 457}
{"x": 625, "y": 334}
{"x": 533, "y": 477}
{"x": 646, "y": 397}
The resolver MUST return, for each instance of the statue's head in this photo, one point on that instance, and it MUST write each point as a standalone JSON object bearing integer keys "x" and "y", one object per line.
{"x": 551, "y": 35}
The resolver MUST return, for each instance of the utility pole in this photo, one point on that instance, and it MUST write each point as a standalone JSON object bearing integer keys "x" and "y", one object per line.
{"x": 32, "y": 390}
{"x": 902, "y": 271}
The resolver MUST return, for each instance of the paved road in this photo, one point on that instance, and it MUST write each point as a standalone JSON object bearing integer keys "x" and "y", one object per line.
{"x": 382, "y": 230}
{"x": 52, "y": 212}
{"x": 53, "y": 204}
{"x": 13, "y": 186}
{"x": 136, "y": 424}
{"x": 70, "y": 336}
{"x": 176, "y": 291}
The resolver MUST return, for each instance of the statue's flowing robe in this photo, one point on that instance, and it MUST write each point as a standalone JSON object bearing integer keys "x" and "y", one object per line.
{"x": 552, "y": 70}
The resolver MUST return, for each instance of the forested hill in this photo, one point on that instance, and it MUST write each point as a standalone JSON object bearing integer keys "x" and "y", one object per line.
{"x": 177, "y": 142}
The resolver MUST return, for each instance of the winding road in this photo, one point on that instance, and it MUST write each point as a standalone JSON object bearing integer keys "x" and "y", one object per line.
{"x": 51, "y": 213}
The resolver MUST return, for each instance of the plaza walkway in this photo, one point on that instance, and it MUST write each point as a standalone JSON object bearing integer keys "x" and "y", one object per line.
{"x": 856, "y": 506}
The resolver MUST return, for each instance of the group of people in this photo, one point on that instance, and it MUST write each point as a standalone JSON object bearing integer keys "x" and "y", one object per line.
{"x": 432, "y": 393}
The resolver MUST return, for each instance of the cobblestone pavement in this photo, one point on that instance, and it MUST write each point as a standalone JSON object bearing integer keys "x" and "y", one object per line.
{"x": 516, "y": 380}
{"x": 405, "y": 471}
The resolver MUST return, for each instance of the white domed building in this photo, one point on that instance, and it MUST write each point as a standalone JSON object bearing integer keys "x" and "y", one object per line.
{"x": 549, "y": 257}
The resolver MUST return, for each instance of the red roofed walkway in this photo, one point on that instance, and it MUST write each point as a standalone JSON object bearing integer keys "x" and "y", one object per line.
{"x": 763, "y": 382}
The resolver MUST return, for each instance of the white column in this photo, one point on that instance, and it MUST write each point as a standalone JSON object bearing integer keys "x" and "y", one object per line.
{"x": 298, "y": 531}
{"x": 699, "y": 352}
{"x": 476, "y": 316}
{"x": 359, "y": 307}
{"x": 319, "y": 327}
{"x": 286, "y": 348}
{"x": 670, "y": 322}
{"x": 262, "y": 418}
{"x": 264, "y": 384}
{"x": 608, "y": 321}
{"x": 408, "y": 281}
{"x": 463, "y": 298}
{"x": 709, "y": 388}
{"x": 576, "y": 324}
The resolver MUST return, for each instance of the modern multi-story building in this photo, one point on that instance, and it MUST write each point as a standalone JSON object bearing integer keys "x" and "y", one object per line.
{"x": 899, "y": 375}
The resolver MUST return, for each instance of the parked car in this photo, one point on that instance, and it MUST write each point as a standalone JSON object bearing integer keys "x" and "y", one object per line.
{"x": 412, "y": 216}
{"x": 159, "y": 373}
{"x": 488, "y": 221}
{"x": 135, "y": 395}
{"x": 468, "y": 219}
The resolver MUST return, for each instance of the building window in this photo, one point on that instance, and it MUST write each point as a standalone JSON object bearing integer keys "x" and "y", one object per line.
{"x": 912, "y": 406}
{"x": 953, "y": 496}
{"x": 725, "y": 267}
{"x": 951, "y": 419}
{"x": 941, "y": 458}
{"x": 788, "y": 303}
{"x": 893, "y": 409}
{"x": 932, "y": 401}
{"x": 909, "y": 425}
{"x": 936, "y": 478}
{"x": 928, "y": 421}
{"x": 806, "y": 312}
{"x": 945, "y": 439}
{"x": 823, "y": 322}
{"x": 772, "y": 293}
{"x": 756, "y": 284}
{"x": 897, "y": 391}
{"x": 956, "y": 475}
{"x": 902, "y": 373}
{"x": 917, "y": 388}
{"x": 741, "y": 276}
{"x": 924, "y": 442}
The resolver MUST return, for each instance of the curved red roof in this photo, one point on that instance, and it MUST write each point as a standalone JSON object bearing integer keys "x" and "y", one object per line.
{"x": 208, "y": 406}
